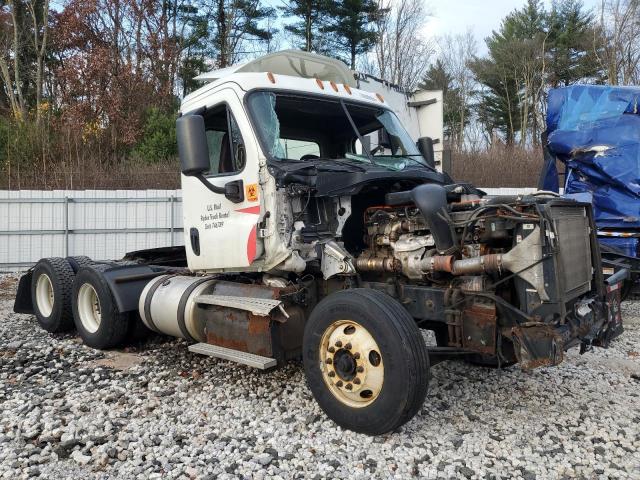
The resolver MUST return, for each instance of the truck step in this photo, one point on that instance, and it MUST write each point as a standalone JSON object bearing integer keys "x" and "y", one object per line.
{"x": 237, "y": 356}
{"x": 257, "y": 306}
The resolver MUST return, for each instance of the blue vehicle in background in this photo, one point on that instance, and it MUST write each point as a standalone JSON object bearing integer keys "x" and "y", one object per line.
{"x": 595, "y": 132}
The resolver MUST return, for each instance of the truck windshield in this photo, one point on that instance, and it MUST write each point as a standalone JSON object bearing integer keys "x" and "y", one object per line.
{"x": 322, "y": 128}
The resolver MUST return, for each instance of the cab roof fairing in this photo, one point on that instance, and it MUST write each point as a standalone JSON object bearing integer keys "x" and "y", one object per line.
{"x": 295, "y": 63}
{"x": 243, "y": 83}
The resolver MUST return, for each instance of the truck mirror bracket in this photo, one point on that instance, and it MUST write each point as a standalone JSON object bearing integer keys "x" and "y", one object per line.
{"x": 233, "y": 191}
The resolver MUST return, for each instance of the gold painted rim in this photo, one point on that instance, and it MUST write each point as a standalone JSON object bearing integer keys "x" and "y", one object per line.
{"x": 351, "y": 363}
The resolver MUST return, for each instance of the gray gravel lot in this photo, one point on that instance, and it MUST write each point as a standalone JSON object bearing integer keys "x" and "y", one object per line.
{"x": 158, "y": 411}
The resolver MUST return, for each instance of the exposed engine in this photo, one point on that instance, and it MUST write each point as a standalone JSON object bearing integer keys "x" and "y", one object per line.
{"x": 503, "y": 276}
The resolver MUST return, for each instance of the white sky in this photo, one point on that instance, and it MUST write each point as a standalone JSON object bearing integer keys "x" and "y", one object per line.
{"x": 456, "y": 16}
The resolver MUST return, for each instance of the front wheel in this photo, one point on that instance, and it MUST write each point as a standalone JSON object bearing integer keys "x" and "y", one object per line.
{"x": 365, "y": 361}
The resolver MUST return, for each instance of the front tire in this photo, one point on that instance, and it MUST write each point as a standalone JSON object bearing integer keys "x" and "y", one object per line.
{"x": 365, "y": 361}
{"x": 51, "y": 286}
{"x": 99, "y": 323}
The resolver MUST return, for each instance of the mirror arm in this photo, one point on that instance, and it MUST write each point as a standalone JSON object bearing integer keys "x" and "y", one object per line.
{"x": 233, "y": 190}
{"x": 209, "y": 185}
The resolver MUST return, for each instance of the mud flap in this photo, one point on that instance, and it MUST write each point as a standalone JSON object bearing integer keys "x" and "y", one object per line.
{"x": 537, "y": 346}
{"x": 23, "y": 303}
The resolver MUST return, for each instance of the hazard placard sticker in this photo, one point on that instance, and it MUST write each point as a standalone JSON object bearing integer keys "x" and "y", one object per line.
{"x": 252, "y": 192}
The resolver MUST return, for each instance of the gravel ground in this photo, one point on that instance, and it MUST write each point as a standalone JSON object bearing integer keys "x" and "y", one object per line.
{"x": 158, "y": 411}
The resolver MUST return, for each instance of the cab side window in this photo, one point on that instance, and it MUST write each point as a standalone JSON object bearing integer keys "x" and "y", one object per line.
{"x": 227, "y": 154}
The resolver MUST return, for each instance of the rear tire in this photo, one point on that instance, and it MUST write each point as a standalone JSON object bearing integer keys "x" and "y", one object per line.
{"x": 78, "y": 262}
{"x": 51, "y": 287}
{"x": 99, "y": 323}
{"x": 365, "y": 360}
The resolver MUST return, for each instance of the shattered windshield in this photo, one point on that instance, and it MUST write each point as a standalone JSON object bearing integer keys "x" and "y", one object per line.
{"x": 301, "y": 128}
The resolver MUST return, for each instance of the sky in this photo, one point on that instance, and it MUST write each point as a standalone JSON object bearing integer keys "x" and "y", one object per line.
{"x": 482, "y": 17}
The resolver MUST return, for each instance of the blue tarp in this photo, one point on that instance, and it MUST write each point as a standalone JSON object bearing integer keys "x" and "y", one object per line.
{"x": 628, "y": 246}
{"x": 595, "y": 131}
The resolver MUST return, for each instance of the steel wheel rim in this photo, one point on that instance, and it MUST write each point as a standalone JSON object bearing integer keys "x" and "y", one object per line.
{"x": 89, "y": 308}
{"x": 44, "y": 295}
{"x": 351, "y": 363}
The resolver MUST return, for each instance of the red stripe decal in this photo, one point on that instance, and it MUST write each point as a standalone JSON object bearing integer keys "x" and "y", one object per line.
{"x": 254, "y": 210}
{"x": 251, "y": 245}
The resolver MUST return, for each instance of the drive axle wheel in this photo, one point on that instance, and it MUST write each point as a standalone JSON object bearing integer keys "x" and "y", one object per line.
{"x": 352, "y": 366}
{"x": 51, "y": 294}
{"x": 99, "y": 323}
{"x": 365, "y": 361}
{"x": 89, "y": 308}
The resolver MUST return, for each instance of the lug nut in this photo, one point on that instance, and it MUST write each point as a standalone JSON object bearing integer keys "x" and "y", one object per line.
{"x": 338, "y": 344}
{"x": 332, "y": 350}
{"x": 356, "y": 355}
{"x": 360, "y": 369}
{"x": 329, "y": 361}
{"x": 339, "y": 383}
{"x": 348, "y": 346}
{"x": 356, "y": 381}
{"x": 332, "y": 374}
{"x": 348, "y": 386}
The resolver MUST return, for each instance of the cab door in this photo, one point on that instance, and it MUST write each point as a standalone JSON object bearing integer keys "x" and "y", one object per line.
{"x": 220, "y": 231}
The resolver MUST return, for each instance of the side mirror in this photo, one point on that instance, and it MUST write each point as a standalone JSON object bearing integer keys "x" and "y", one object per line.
{"x": 384, "y": 140}
{"x": 425, "y": 145}
{"x": 192, "y": 145}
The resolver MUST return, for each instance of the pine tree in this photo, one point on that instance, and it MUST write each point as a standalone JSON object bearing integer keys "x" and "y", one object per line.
{"x": 196, "y": 46}
{"x": 499, "y": 104}
{"x": 237, "y": 24}
{"x": 353, "y": 27}
{"x": 571, "y": 40}
{"x": 532, "y": 50}
{"x": 312, "y": 22}
{"x": 438, "y": 78}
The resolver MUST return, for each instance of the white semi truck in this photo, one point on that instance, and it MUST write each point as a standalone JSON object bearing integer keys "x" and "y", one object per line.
{"x": 317, "y": 227}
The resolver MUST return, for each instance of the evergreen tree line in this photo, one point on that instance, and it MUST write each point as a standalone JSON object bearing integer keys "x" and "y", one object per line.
{"x": 90, "y": 88}
{"x": 501, "y": 96}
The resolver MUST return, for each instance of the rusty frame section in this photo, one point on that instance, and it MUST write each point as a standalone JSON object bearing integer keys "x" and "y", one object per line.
{"x": 479, "y": 327}
{"x": 276, "y": 336}
{"x": 537, "y": 345}
{"x": 239, "y": 330}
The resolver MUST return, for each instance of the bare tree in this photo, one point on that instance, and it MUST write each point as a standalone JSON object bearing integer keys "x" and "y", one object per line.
{"x": 620, "y": 35}
{"x": 456, "y": 52}
{"x": 402, "y": 53}
{"x": 11, "y": 48}
{"x": 40, "y": 21}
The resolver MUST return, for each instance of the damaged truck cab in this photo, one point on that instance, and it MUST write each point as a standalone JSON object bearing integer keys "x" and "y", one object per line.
{"x": 316, "y": 226}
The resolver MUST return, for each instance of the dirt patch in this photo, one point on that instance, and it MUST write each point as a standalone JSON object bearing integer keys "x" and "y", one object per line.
{"x": 8, "y": 286}
{"x": 119, "y": 361}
